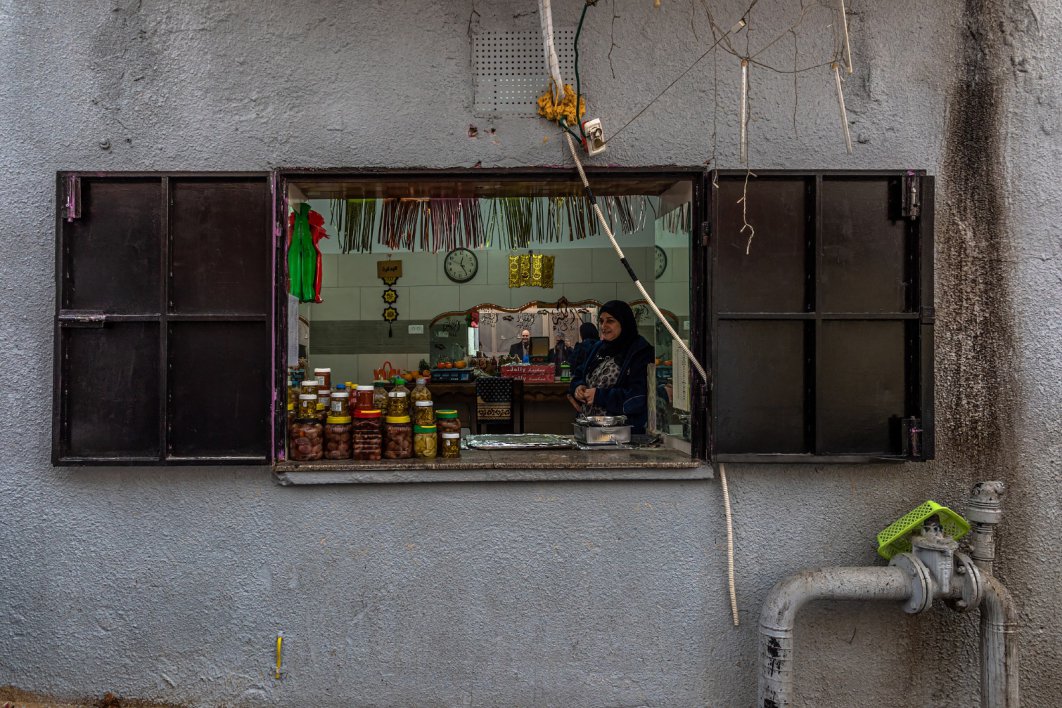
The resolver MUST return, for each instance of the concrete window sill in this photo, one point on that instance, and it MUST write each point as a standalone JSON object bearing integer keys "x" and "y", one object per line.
{"x": 501, "y": 466}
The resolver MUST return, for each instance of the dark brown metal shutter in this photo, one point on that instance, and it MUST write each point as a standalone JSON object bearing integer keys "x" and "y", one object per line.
{"x": 821, "y": 317}
{"x": 163, "y": 319}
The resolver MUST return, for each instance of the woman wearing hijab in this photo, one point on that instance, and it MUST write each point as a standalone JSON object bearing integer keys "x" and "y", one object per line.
{"x": 613, "y": 380}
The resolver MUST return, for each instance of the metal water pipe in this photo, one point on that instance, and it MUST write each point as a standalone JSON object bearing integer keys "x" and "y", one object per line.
{"x": 934, "y": 569}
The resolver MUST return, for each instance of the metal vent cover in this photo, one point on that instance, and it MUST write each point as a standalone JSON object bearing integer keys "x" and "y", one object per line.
{"x": 509, "y": 70}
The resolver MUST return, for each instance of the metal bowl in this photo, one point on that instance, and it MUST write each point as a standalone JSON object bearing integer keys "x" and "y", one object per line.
{"x": 603, "y": 420}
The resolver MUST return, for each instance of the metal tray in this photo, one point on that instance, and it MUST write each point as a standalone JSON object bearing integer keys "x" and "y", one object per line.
{"x": 602, "y": 434}
{"x": 519, "y": 441}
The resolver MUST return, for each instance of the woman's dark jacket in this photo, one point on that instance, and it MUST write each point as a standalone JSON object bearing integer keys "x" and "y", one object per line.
{"x": 580, "y": 351}
{"x": 629, "y": 396}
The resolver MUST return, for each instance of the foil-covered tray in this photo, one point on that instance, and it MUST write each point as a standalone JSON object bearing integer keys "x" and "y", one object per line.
{"x": 519, "y": 441}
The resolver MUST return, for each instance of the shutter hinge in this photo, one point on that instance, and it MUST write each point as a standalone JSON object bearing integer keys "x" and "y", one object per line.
{"x": 911, "y": 208}
{"x": 83, "y": 319}
{"x": 72, "y": 197}
{"x": 928, "y": 315}
{"x": 706, "y": 232}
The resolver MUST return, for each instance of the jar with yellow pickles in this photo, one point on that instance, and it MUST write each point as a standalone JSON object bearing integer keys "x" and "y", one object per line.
{"x": 425, "y": 441}
{"x": 451, "y": 445}
{"x": 423, "y": 413}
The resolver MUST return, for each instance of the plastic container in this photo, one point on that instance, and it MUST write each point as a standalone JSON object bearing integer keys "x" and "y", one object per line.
{"x": 423, "y": 413}
{"x": 363, "y": 398}
{"x": 425, "y": 441}
{"x": 368, "y": 435}
{"x": 340, "y": 406}
{"x": 309, "y": 386}
{"x": 324, "y": 398}
{"x": 896, "y": 537}
{"x": 324, "y": 377}
{"x": 420, "y": 392}
{"x": 451, "y": 445}
{"x": 338, "y": 440}
{"x": 306, "y": 441}
{"x": 446, "y": 421}
{"x": 379, "y": 395}
{"x": 398, "y": 403}
{"x": 307, "y": 406}
{"x": 398, "y": 438}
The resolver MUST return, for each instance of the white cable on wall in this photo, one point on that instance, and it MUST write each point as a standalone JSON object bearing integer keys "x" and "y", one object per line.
{"x": 545, "y": 14}
{"x": 692, "y": 358}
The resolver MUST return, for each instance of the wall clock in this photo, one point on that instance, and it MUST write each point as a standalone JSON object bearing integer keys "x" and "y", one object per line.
{"x": 460, "y": 265}
{"x": 661, "y": 262}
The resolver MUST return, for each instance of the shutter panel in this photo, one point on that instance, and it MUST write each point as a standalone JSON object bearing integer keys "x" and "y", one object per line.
{"x": 163, "y": 312}
{"x": 822, "y": 323}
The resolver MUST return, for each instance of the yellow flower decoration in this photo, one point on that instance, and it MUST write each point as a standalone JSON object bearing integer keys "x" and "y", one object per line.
{"x": 550, "y": 109}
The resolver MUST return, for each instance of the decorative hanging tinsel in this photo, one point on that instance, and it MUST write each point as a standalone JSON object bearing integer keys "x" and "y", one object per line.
{"x": 679, "y": 220}
{"x": 438, "y": 225}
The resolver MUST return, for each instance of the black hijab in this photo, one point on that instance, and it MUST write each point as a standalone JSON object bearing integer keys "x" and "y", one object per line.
{"x": 588, "y": 330}
{"x": 628, "y": 328}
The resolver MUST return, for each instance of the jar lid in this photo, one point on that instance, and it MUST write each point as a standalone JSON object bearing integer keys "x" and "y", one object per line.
{"x": 445, "y": 414}
{"x": 310, "y": 383}
{"x": 340, "y": 387}
{"x": 451, "y": 436}
{"x": 424, "y": 429}
{"x": 322, "y": 370}
{"x": 341, "y": 393}
{"x": 307, "y": 397}
{"x": 421, "y": 381}
{"x": 338, "y": 419}
{"x": 367, "y": 413}
{"x": 399, "y": 381}
{"x": 379, "y": 382}
{"x": 422, "y": 404}
{"x": 365, "y": 388}
{"x": 397, "y": 419}
{"x": 397, "y": 394}
{"x": 291, "y": 406}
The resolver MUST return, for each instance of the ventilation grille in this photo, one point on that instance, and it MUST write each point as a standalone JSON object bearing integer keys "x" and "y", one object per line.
{"x": 510, "y": 70}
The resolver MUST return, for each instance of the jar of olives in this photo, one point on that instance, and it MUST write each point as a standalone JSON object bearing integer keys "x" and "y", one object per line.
{"x": 398, "y": 403}
{"x": 425, "y": 443}
{"x": 338, "y": 439}
{"x": 306, "y": 442}
{"x": 451, "y": 445}
{"x": 307, "y": 406}
{"x": 368, "y": 435}
{"x": 423, "y": 413}
{"x": 398, "y": 438}
{"x": 340, "y": 407}
{"x": 420, "y": 392}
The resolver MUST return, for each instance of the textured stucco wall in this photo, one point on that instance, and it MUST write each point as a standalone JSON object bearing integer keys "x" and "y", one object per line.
{"x": 171, "y": 583}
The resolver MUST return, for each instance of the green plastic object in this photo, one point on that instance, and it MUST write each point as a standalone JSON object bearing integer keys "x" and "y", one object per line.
{"x": 896, "y": 538}
{"x": 302, "y": 258}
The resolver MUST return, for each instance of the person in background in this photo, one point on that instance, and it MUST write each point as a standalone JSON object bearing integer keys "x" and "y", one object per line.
{"x": 614, "y": 378}
{"x": 523, "y": 347}
{"x": 560, "y": 353}
{"x": 587, "y": 339}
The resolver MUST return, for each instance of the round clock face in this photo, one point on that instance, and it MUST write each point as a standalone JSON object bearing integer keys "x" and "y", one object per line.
{"x": 661, "y": 262}
{"x": 461, "y": 265}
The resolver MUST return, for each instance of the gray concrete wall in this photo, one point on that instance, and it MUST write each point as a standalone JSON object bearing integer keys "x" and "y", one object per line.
{"x": 172, "y": 583}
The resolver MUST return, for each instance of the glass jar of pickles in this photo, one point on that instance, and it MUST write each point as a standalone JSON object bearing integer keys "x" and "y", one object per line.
{"x": 363, "y": 398}
{"x": 306, "y": 441}
{"x": 340, "y": 405}
{"x": 423, "y": 413}
{"x": 379, "y": 395}
{"x": 451, "y": 445}
{"x": 309, "y": 386}
{"x": 398, "y": 437}
{"x": 324, "y": 377}
{"x": 337, "y": 438}
{"x": 368, "y": 435}
{"x": 324, "y": 398}
{"x": 425, "y": 441}
{"x": 398, "y": 403}
{"x": 420, "y": 392}
{"x": 307, "y": 406}
{"x": 447, "y": 421}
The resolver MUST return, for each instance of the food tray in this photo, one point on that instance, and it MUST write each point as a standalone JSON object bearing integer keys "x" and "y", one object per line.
{"x": 602, "y": 434}
{"x": 519, "y": 441}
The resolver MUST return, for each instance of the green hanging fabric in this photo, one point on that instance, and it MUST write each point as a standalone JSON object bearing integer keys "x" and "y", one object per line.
{"x": 302, "y": 257}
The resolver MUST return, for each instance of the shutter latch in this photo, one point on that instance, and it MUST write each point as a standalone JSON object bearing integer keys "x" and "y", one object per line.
{"x": 83, "y": 319}
{"x": 911, "y": 208}
{"x": 911, "y": 445}
{"x": 72, "y": 197}
{"x": 706, "y": 232}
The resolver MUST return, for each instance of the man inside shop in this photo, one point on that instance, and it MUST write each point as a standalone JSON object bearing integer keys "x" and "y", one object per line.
{"x": 523, "y": 347}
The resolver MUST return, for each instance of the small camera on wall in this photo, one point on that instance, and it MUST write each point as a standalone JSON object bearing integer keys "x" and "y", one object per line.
{"x": 595, "y": 137}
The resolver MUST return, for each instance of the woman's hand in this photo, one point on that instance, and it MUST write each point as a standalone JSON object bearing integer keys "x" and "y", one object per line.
{"x": 580, "y": 391}
{"x": 588, "y": 396}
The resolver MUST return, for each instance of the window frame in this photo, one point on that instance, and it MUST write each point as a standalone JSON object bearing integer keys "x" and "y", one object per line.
{"x": 697, "y": 175}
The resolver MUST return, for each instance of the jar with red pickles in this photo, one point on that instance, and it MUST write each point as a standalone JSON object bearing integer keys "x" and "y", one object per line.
{"x": 368, "y": 434}
{"x": 363, "y": 398}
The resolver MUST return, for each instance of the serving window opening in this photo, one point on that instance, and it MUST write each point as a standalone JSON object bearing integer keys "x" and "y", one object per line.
{"x": 484, "y": 293}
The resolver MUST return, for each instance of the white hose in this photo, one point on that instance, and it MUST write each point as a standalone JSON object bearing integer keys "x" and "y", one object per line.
{"x": 729, "y": 543}
{"x": 545, "y": 14}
